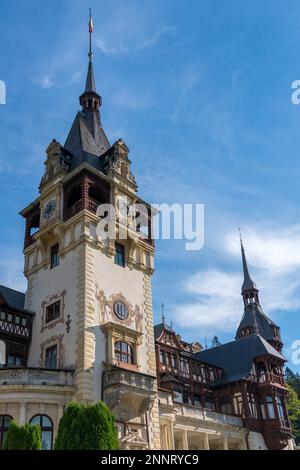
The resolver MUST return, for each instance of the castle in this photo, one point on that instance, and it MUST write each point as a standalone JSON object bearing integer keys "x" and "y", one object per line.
{"x": 84, "y": 329}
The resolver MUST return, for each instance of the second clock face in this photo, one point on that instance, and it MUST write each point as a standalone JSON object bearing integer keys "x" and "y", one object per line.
{"x": 49, "y": 208}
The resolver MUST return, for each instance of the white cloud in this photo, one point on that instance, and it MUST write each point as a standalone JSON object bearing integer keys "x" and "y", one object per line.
{"x": 122, "y": 45}
{"x": 47, "y": 82}
{"x": 274, "y": 263}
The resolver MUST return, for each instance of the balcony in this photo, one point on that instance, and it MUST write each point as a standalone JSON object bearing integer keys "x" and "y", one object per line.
{"x": 31, "y": 376}
{"x": 121, "y": 385}
{"x": 207, "y": 415}
{"x": 267, "y": 378}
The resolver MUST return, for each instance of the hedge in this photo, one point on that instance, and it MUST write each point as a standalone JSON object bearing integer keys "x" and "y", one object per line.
{"x": 87, "y": 427}
{"x": 25, "y": 437}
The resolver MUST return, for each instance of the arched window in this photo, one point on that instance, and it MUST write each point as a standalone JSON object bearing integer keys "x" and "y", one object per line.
{"x": 46, "y": 426}
{"x": 123, "y": 352}
{"x": 4, "y": 425}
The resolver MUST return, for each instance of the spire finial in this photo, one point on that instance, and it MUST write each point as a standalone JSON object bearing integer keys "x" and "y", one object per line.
{"x": 240, "y": 233}
{"x": 91, "y": 30}
{"x": 249, "y": 289}
{"x": 163, "y": 313}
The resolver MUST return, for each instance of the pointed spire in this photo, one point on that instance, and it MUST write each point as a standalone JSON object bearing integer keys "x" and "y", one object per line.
{"x": 249, "y": 284}
{"x": 90, "y": 100}
{"x": 163, "y": 313}
{"x": 90, "y": 86}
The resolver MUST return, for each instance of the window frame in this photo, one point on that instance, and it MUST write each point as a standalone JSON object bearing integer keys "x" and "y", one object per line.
{"x": 120, "y": 315}
{"x": 121, "y": 352}
{"x": 53, "y": 347}
{"x": 53, "y": 304}
{"x": 44, "y": 428}
{"x": 3, "y": 428}
{"x": 119, "y": 255}
{"x": 54, "y": 256}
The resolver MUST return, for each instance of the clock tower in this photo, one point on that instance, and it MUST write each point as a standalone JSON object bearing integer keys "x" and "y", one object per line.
{"x": 91, "y": 295}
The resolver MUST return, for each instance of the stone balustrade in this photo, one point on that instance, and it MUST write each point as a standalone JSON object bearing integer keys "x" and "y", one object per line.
{"x": 207, "y": 415}
{"x": 30, "y": 376}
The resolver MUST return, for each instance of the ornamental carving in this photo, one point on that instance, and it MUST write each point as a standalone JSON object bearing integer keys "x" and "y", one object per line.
{"x": 107, "y": 312}
{"x": 49, "y": 301}
{"x": 57, "y": 162}
{"x": 56, "y": 340}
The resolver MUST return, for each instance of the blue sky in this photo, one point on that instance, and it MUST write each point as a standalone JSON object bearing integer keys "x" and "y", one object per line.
{"x": 201, "y": 93}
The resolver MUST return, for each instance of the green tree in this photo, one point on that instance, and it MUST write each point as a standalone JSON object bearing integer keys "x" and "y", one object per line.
{"x": 293, "y": 380}
{"x": 215, "y": 342}
{"x": 26, "y": 437}
{"x": 87, "y": 427}
{"x": 293, "y": 406}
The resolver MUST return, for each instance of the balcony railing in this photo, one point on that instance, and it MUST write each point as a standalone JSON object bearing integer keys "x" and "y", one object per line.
{"x": 207, "y": 415}
{"x": 267, "y": 377}
{"x": 134, "y": 380}
{"x": 31, "y": 376}
{"x": 120, "y": 384}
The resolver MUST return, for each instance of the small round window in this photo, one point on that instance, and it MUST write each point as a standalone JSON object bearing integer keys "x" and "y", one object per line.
{"x": 121, "y": 310}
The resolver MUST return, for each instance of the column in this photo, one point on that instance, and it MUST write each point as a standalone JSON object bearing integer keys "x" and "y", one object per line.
{"x": 22, "y": 414}
{"x": 166, "y": 440}
{"x": 206, "y": 442}
{"x": 225, "y": 443}
{"x": 185, "y": 442}
{"x": 171, "y": 437}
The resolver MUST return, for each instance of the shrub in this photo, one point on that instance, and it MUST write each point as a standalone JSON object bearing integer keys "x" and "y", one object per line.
{"x": 26, "y": 437}
{"x": 87, "y": 427}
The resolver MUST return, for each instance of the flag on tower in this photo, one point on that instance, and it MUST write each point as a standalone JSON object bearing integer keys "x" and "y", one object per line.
{"x": 91, "y": 26}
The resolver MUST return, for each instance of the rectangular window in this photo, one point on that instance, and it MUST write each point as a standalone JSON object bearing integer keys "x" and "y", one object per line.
{"x": 51, "y": 357}
{"x": 52, "y": 312}
{"x": 54, "y": 256}
{"x": 197, "y": 400}
{"x": 281, "y": 408}
{"x": 209, "y": 404}
{"x": 186, "y": 398}
{"x": 263, "y": 411}
{"x": 178, "y": 396}
{"x": 173, "y": 357}
{"x": 120, "y": 255}
{"x": 270, "y": 407}
{"x": 13, "y": 360}
{"x": 162, "y": 356}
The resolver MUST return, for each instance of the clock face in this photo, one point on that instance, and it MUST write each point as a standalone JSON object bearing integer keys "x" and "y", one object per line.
{"x": 49, "y": 208}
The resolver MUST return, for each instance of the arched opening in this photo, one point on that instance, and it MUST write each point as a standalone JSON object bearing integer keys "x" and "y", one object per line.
{"x": 46, "y": 426}
{"x": 5, "y": 421}
{"x": 123, "y": 352}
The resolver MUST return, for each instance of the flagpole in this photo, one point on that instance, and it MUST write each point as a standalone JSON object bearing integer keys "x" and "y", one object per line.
{"x": 90, "y": 52}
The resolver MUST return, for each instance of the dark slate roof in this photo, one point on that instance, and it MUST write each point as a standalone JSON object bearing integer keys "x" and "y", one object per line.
{"x": 255, "y": 318}
{"x": 13, "y": 299}
{"x": 86, "y": 141}
{"x": 236, "y": 357}
{"x": 90, "y": 85}
{"x": 158, "y": 329}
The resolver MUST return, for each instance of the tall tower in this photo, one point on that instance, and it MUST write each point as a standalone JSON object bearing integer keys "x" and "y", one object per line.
{"x": 92, "y": 295}
{"x": 254, "y": 321}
